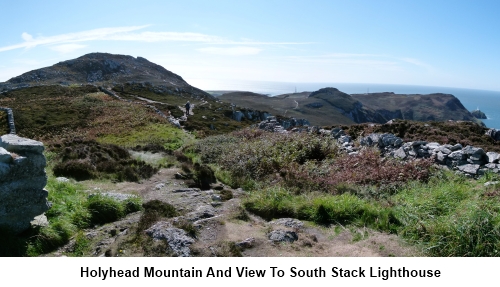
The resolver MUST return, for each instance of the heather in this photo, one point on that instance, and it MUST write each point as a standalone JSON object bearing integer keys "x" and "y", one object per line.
{"x": 304, "y": 162}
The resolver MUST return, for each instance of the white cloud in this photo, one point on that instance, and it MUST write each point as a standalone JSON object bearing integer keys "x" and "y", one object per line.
{"x": 26, "y": 36}
{"x": 90, "y": 35}
{"x": 231, "y": 51}
{"x": 67, "y": 48}
{"x": 130, "y": 34}
{"x": 418, "y": 63}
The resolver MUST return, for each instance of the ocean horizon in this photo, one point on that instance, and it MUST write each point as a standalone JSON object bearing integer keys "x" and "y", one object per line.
{"x": 472, "y": 99}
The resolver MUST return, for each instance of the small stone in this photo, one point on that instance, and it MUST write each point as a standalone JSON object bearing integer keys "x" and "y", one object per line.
{"x": 62, "y": 179}
{"x": 247, "y": 243}
{"x": 491, "y": 183}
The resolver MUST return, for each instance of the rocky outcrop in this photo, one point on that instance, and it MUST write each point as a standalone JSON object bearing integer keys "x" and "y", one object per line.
{"x": 177, "y": 239}
{"x": 272, "y": 124}
{"x": 479, "y": 114}
{"x": 494, "y": 134}
{"x": 107, "y": 70}
{"x": 469, "y": 160}
{"x": 22, "y": 182}
{"x": 250, "y": 115}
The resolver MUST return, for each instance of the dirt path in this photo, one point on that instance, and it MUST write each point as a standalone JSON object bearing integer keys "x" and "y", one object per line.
{"x": 220, "y": 223}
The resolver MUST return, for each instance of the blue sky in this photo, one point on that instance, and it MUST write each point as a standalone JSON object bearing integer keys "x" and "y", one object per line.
{"x": 212, "y": 43}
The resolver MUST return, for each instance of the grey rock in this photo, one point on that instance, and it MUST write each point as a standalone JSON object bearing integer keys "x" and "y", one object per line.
{"x": 493, "y": 183}
{"x": 177, "y": 239}
{"x": 337, "y": 133}
{"x": 20, "y": 145}
{"x": 202, "y": 212}
{"x": 247, "y": 243}
{"x": 493, "y": 157}
{"x": 457, "y": 155}
{"x": 491, "y": 165}
{"x": 344, "y": 139}
{"x": 441, "y": 157}
{"x": 288, "y": 222}
{"x": 443, "y": 150}
{"x": 237, "y": 116}
{"x": 5, "y": 156}
{"x": 418, "y": 143}
{"x": 282, "y": 236}
{"x": 40, "y": 221}
{"x": 494, "y": 134}
{"x": 159, "y": 186}
{"x": 400, "y": 153}
{"x": 389, "y": 140}
{"x": 433, "y": 145}
{"x": 62, "y": 179}
{"x": 456, "y": 147}
{"x": 474, "y": 152}
{"x": 469, "y": 168}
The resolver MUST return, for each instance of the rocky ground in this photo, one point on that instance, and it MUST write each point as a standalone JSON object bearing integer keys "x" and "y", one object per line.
{"x": 223, "y": 228}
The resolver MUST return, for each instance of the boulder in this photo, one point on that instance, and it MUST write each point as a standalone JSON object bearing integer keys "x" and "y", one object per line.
{"x": 469, "y": 168}
{"x": 177, "y": 239}
{"x": 337, "y": 133}
{"x": 279, "y": 235}
{"x": 493, "y": 157}
{"x": 494, "y": 134}
{"x": 456, "y": 147}
{"x": 400, "y": 153}
{"x": 457, "y": 155}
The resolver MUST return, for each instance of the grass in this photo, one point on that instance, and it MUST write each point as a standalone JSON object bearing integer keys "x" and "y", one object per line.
{"x": 447, "y": 216}
{"x": 326, "y": 209}
{"x": 450, "y": 216}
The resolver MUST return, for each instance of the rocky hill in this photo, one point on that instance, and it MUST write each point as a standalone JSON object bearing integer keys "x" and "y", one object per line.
{"x": 432, "y": 107}
{"x": 329, "y": 106}
{"x": 103, "y": 69}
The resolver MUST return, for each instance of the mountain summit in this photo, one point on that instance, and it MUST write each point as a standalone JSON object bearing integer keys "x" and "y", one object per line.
{"x": 102, "y": 69}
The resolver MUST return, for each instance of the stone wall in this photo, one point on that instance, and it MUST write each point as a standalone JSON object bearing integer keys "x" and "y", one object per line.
{"x": 10, "y": 118}
{"x": 22, "y": 182}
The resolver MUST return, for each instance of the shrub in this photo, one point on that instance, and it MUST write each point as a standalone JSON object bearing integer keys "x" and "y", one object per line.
{"x": 204, "y": 176}
{"x": 226, "y": 194}
{"x": 154, "y": 210}
{"x": 77, "y": 169}
{"x": 104, "y": 209}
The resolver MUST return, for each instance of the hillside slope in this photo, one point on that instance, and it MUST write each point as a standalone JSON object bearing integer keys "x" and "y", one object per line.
{"x": 105, "y": 70}
{"x": 432, "y": 107}
{"x": 330, "y": 106}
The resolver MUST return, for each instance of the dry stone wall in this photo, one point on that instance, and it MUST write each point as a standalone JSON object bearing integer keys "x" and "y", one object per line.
{"x": 22, "y": 182}
{"x": 10, "y": 118}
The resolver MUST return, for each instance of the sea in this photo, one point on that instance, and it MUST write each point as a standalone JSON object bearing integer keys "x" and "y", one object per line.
{"x": 484, "y": 100}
